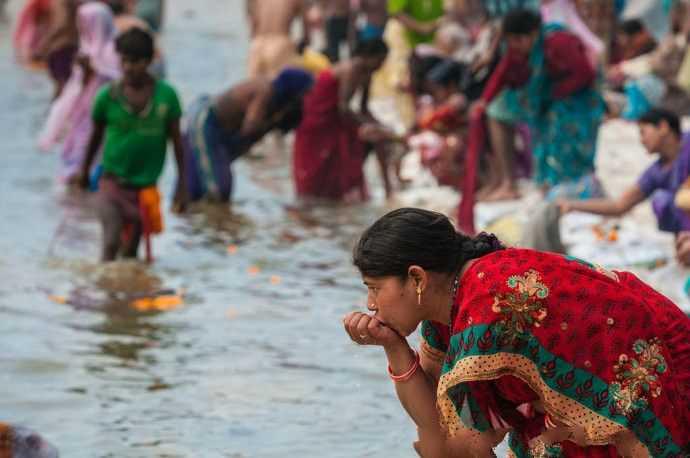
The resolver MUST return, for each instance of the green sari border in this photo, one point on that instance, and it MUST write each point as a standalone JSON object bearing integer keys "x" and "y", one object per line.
{"x": 560, "y": 376}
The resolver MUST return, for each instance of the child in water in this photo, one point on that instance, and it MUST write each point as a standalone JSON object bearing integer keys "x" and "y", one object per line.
{"x": 138, "y": 115}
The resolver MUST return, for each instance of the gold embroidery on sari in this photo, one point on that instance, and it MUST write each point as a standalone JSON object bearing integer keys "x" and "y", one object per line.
{"x": 638, "y": 378}
{"x": 523, "y": 307}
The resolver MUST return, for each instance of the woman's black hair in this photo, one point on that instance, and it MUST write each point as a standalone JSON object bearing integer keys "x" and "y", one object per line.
{"x": 371, "y": 48}
{"x": 412, "y": 236}
{"x": 447, "y": 73}
{"x": 135, "y": 43}
{"x": 420, "y": 66}
{"x": 521, "y": 22}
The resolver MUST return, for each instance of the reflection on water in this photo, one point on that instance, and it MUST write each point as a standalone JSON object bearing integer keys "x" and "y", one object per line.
{"x": 248, "y": 361}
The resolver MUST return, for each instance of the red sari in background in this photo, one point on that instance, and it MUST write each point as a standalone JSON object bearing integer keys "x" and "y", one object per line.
{"x": 329, "y": 157}
{"x": 33, "y": 24}
{"x": 541, "y": 341}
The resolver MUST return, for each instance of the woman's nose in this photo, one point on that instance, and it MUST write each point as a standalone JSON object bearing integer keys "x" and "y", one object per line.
{"x": 371, "y": 306}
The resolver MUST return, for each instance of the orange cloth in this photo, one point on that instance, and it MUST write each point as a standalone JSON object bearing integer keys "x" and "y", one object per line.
{"x": 150, "y": 208}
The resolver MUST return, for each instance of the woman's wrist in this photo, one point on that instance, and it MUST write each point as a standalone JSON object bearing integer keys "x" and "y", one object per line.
{"x": 400, "y": 357}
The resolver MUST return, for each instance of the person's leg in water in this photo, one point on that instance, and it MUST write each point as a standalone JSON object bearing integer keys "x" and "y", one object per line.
{"x": 131, "y": 245}
{"x": 112, "y": 222}
{"x": 501, "y": 184}
{"x": 383, "y": 152}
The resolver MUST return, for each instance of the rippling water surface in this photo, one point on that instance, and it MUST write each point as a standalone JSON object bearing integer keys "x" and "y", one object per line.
{"x": 254, "y": 364}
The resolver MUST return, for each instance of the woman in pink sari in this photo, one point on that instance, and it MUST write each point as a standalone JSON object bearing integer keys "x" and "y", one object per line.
{"x": 97, "y": 63}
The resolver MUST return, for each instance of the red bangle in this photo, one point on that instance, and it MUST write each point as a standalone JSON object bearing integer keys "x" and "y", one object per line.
{"x": 410, "y": 372}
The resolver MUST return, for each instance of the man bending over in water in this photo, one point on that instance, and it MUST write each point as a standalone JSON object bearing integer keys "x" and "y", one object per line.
{"x": 221, "y": 129}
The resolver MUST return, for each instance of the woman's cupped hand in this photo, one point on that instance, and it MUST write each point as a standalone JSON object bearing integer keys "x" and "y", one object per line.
{"x": 366, "y": 329}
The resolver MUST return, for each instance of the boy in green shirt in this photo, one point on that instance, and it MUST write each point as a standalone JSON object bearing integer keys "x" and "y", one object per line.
{"x": 137, "y": 116}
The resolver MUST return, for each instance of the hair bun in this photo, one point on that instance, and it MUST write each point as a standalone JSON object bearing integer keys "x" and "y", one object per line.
{"x": 487, "y": 242}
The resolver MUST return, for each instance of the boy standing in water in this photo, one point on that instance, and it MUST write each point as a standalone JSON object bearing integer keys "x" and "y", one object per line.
{"x": 137, "y": 115}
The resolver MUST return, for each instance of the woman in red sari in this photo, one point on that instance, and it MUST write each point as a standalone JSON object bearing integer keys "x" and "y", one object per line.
{"x": 567, "y": 358}
{"x": 329, "y": 152}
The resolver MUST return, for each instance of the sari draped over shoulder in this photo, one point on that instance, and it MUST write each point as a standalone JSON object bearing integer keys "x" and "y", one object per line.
{"x": 69, "y": 120}
{"x": 541, "y": 341}
{"x": 328, "y": 157}
{"x": 561, "y": 105}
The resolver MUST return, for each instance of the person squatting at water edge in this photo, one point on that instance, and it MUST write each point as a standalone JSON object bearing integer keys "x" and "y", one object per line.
{"x": 137, "y": 115}
{"x": 565, "y": 357}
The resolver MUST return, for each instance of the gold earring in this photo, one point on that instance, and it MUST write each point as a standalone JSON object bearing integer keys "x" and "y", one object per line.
{"x": 419, "y": 295}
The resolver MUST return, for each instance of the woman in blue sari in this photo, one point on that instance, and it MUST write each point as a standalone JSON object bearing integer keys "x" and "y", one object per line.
{"x": 550, "y": 84}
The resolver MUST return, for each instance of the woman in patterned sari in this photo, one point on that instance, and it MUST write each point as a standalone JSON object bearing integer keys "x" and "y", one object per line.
{"x": 568, "y": 359}
{"x": 549, "y": 83}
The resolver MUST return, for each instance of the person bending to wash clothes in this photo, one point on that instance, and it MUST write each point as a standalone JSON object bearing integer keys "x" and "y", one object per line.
{"x": 660, "y": 134}
{"x": 219, "y": 130}
{"x": 331, "y": 142}
{"x": 550, "y": 84}
{"x": 568, "y": 359}
{"x": 137, "y": 115}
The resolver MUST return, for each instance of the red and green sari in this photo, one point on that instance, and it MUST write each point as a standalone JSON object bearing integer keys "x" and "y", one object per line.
{"x": 541, "y": 341}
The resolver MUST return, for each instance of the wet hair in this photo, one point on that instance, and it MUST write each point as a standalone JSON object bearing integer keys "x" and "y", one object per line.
{"x": 521, "y": 22}
{"x": 631, "y": 27}
{"x": 656, "y": 115}
{"x": 371, "y": 48}
{"x": 412, "y": 236}
{"x": 135, "y": 43}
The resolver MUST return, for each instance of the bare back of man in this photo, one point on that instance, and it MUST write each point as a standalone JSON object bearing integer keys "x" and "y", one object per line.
{"x": 272, "y": 48}
{"x": 232, "y": 105}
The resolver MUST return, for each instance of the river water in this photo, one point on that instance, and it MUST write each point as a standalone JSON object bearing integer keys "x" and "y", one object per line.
{"x": 254, "y": 364}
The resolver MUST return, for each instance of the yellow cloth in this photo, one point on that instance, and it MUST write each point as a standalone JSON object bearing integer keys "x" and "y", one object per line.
{"x": 394, "y": 73}
{"x": 684, "y": 73}
{"x": 150, "y": 207}
{"x": 313, "y": 62}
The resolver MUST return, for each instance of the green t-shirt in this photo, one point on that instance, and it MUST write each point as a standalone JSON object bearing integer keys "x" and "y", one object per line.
{"x": 421, "y": 10}
{"x": 135, "y": 144}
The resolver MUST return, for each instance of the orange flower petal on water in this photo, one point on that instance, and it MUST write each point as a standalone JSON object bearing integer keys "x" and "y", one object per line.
{"x": 143, "y": 304}
{"x": 58, "y": 299}
{"x": 160, "y": 303}
{"x": 232, "y": 249}
{"x": 254, "y": 270}
{"x": 231, "y": 313}
{"x": 276, "y": 280}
